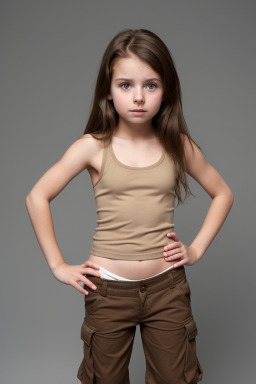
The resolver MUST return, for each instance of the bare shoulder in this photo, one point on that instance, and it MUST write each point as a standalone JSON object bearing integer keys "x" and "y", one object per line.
{"x": 90, "y": 147}
{"x": 79, "y": 156}
{"x": 90, "y": 141}
{"x": 195, "y": 161}
{"x": 189, "y": 145}
{"x": 201, "y": 170}
{"x": 90, "y": 136}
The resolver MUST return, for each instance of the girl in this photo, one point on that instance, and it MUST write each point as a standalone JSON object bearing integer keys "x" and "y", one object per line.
{"x": 137, "y": 149}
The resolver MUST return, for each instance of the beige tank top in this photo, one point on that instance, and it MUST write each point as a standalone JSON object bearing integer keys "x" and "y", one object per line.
{"x": 135, "y": 208}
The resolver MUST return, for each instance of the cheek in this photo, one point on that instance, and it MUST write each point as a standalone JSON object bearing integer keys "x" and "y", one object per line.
{"x": 156, "y": 101}
{"x": 120, "y": 102}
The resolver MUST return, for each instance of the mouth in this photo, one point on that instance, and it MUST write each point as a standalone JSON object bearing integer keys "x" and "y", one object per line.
{"x": 138, "y": 110}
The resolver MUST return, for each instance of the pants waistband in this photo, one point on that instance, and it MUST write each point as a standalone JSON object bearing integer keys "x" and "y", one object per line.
{"x": 131, "y": 288}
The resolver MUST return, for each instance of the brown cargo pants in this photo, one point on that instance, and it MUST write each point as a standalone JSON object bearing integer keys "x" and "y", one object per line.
{"x": 161, "y": 305}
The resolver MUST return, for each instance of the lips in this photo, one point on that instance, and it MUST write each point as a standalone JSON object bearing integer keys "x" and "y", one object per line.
{"x": 138, "y": 110}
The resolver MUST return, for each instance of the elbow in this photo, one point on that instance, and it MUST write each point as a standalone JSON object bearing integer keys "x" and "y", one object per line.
{"x": 28, "y": 200}
{"x": 230, "y": 197}
{"x": 227, "y": 195}
{"x": 31, "y": 198}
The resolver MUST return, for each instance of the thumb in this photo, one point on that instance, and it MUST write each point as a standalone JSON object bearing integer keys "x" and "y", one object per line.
{"x": 173, "y": 235}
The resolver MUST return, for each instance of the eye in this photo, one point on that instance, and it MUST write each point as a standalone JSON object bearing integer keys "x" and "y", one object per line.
{"x": 153, "y": 85}
{"x": 127, "y": 84}
{"x": 121, "y": 85}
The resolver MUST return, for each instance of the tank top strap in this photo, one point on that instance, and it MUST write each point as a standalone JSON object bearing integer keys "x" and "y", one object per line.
{"x": 103, "y": 162}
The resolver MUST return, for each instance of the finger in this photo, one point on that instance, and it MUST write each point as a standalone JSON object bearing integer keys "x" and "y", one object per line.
{"x": 92, "y": 264}
{"x": 173, "y": 252}
{"x": 90, "y": 271}
{"x": 79, "y": 288}
{"x": 174, "y": 257}
{"x": 173, "y": 235}
{"x": 170, "y": 246}
{"x": 89, "y": 283}
{"x": 180, "y": 263}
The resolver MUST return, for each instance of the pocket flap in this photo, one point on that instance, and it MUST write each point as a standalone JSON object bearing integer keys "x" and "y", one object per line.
{"x": 86, "y": 333}
{"x": 191, "y": 329}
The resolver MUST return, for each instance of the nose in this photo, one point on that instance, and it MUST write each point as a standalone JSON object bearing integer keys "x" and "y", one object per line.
{"x": 138, "y": 96}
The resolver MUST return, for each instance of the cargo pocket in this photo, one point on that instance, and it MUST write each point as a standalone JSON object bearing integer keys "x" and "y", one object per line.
{"x": 86, "y": 370}
{"x": 192, "y": 371}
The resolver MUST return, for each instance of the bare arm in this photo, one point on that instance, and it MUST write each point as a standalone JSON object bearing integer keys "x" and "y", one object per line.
{"x": 222, "y": 200}
{"x": 216, "y": 187}
{"x": 74, "y": 161}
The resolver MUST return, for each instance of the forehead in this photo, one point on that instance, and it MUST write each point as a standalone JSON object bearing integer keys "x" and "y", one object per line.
{"x": 133, "y": 67}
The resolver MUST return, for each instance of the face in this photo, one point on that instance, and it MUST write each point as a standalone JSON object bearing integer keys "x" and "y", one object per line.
{"x": 135, "y": 85}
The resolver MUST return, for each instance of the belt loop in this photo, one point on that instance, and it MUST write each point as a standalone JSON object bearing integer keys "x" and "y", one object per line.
{"x": 103, "y": 290}
{"x": 170, "y": 275}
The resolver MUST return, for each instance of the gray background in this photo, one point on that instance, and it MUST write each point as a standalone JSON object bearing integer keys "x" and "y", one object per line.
{"x": 51, "y": 55}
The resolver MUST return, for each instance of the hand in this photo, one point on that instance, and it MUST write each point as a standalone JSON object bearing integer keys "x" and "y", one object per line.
{"x": 179, "y": 251}
{"x": 71, "y": 274}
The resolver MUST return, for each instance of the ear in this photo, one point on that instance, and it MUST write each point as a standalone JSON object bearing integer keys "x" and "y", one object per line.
{"x": 109, "y": 97}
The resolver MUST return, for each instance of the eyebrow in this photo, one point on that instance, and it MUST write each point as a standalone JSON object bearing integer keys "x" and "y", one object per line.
{"x": 152, "y": 79}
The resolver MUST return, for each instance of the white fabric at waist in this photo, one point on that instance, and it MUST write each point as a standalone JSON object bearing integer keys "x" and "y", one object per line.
{"x": 105, "y": 274}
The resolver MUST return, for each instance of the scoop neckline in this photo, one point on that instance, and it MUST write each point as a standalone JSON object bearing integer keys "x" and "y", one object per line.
{"x": 159, "y": 161}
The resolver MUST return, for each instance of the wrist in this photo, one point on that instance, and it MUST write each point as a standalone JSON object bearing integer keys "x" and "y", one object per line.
{"x": 55, "y": 266}
{"x": 197, "y": 253}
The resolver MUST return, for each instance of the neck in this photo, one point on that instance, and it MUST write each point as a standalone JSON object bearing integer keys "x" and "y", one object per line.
{"x": 134, "y": 131}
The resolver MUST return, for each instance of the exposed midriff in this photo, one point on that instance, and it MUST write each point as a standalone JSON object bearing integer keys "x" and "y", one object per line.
{"x": 133, "y": 269}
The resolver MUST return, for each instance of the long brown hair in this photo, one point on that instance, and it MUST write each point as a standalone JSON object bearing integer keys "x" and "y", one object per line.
{"x": 169, "y": 121}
